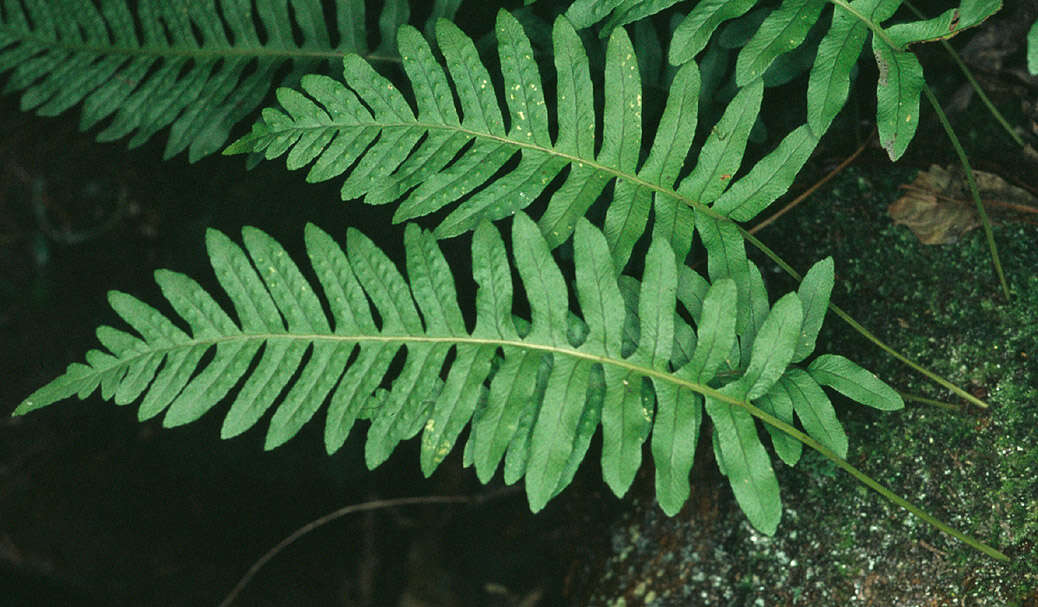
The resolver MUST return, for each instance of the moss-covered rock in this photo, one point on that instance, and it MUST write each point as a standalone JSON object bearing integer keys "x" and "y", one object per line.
{"x": 839, "y": 543}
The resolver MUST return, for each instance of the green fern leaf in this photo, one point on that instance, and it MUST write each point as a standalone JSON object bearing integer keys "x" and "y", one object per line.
{"x": 726, "y": 258}
{"x": 616, "y": 13}
{"x": 773, "y": 348}
{"x": 585, "y": 13}
{"x": 722, "y": 152}
{"x": 816, "y": 413}
{"x": 534, "y": 392}
{"x": 814, "y": 292}
{"x": 769, "y": 178}
{"x": 970, "y": 13}
{"x": 717, "y": 336}
{"x": 782, "y": 31}
{"x": 757, "y": 311}
{"x": 854, "y": 382}
{"x": 897, "y": 97}
{"x": 692, "y": 289}
{"x": 631, "y": 11}
{"x": 777, "y": 402}
{"x": 830, "y": 78}
{"x": 698, "y": 26}
{"x": 745, "y": 462}
{"x": 673, "y": 220}
{"x": 679, "y": 414}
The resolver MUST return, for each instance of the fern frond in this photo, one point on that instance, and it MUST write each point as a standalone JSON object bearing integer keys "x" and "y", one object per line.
{"x": 445, "y": 157}
{"x": 534, "y": 392}
{"x": 196, "y": 67}
{"x": 450, "y": 156}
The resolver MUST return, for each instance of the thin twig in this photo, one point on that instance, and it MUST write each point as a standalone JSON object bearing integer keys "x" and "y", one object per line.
{"x": 331, "y": 516}
{"x": 932, "y": 549}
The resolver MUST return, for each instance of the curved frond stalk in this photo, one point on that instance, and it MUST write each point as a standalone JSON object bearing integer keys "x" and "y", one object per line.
{"x": 565, "y": 374}
{"x": 196, "y": 67}
{"x": 971, "y": 181}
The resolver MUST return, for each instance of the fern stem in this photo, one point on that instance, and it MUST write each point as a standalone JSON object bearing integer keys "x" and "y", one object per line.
{"x": 327, "y": 518}
{"x": 929, "y": 401}
{"x": 865, "y": 479}
{"x": 973, "y": 187}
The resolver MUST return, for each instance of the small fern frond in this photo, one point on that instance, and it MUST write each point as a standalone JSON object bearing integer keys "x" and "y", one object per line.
{"x": 533, "y": 391}
{"x": 197, "y": 67}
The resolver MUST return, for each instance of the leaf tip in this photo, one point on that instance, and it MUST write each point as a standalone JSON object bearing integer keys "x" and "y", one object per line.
{"x": 26, "y": 406}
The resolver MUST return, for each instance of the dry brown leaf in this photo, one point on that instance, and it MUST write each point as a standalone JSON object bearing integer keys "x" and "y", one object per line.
{"x": 938, "y": 208}
{"x": 932, "y": 207}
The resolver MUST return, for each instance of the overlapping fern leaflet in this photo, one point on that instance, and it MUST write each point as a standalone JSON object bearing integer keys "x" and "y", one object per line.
{"x": 199, "y": 67}
{"x": 442, "y": 157}
{"x": 533, "y": 391}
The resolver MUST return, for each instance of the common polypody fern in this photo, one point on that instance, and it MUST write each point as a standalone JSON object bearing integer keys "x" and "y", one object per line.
{"x": 534, "y": 391}
{"x": 555, "y": 379}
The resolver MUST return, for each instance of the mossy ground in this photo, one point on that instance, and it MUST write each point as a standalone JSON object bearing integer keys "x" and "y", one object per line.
{"x": 839, "y": 543}
{"x": 974, "y": 469}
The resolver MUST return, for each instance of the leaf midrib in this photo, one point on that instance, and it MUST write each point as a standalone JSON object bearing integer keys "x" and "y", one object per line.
{"x": 404, "y": 339}
{"x": 520, "y": 145}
